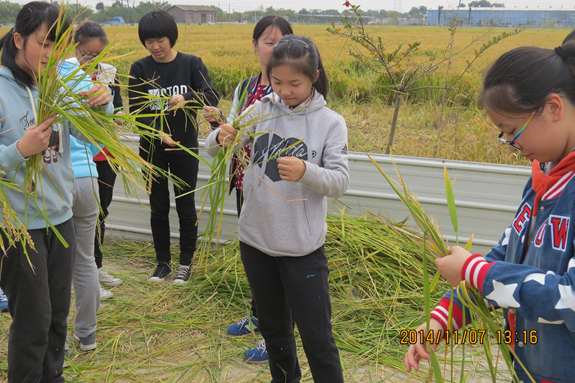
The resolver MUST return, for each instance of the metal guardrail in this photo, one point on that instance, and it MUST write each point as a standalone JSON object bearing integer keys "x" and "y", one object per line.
{"x": 486, "y": 196}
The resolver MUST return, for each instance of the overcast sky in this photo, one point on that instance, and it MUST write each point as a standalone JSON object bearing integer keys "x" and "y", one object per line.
{"x": 245, "y": 5}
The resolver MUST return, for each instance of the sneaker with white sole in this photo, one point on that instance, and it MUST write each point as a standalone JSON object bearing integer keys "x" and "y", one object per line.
{"x": 3, "y": 302}
{"x": 105, "y": 294}
{"x": 88, "y": 343}
{"x": 182, "y": 275}
{"x": 108, "y": 279}
{"x": 258, "y": 354}
{"x": 160, "y": 274}
{"x": 243, "y": 327}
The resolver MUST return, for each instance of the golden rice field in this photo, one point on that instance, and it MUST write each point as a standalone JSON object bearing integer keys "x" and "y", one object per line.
{"x": 461, "y": 132}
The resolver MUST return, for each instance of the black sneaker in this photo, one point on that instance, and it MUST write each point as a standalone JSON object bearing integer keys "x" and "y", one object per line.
{"x": 182, "y": 275}
{"x": 160, "y": 274}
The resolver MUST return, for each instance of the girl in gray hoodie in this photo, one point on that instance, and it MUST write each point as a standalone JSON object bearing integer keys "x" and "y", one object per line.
{"x": 299, "y": 159}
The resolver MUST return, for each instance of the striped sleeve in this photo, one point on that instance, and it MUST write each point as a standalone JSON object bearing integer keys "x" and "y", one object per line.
{"x": 474, "y": 270}
{"x": 441, "y": 314}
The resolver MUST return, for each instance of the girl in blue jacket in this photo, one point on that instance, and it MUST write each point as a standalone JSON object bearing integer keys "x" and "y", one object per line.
{"x": 529, "y": 94}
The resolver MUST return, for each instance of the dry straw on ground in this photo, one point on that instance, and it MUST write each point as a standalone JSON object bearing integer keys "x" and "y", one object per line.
{"x": 164, "y": 333}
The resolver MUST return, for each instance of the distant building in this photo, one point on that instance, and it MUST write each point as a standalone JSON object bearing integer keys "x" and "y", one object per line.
{"x": 512, "y": 17}
{"x": 193, "y": 14}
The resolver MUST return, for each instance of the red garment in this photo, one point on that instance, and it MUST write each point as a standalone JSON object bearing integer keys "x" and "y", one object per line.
{"x": 101, "y": 156}
{"x": 237, "y": 167}
{"x": 548, "y": 186}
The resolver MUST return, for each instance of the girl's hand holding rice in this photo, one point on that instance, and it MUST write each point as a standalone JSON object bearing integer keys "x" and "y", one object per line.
{"x": 291, "y": 168}
{"x": 36, "y": 138}
{"x": 211, "y": 114}
{"x": 166, "y": 139}
{"x": 98, "y": 95}
{"x": 177, "y": 100}
{"x": 226, "y": 136}
{"x": 451, "y": 265}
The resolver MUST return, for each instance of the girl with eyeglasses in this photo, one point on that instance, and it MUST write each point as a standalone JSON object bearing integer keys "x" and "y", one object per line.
{"x": 300, "y": 154}
{"x": 91, "y": 40}
{"x": 529, "y": 94}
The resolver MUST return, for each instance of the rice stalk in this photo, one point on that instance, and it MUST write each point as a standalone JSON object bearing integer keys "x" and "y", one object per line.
{"x": 58, "y": 95}
{"x": 470, "y": 297}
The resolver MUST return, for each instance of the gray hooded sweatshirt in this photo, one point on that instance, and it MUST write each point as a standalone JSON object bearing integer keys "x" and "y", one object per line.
{"x": 284, "y": 218}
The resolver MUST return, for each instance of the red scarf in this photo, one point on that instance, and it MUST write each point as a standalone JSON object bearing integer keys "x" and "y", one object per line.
{"x": 543, "y": 182}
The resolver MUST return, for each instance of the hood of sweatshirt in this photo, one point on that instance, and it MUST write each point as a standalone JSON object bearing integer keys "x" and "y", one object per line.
{"x": 17, "y": 114}
{"x": 284, "y": 218}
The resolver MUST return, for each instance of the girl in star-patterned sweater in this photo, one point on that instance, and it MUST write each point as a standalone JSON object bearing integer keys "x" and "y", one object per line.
{"x": 529, "y": 94}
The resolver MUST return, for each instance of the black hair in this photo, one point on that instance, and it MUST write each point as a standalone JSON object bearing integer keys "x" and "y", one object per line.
{"x": 302, "y": 56}
{"x": 29, "y": 19}
{"x": 569, "y": 37}
{"x": 272, "y": 21}
{"x": 90, "y": 30}
{"x": 521, "y": 80}
{"x": 158, "y": 24}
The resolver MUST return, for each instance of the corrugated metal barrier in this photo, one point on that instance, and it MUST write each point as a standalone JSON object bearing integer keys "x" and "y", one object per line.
{"x": 486, "y": 196}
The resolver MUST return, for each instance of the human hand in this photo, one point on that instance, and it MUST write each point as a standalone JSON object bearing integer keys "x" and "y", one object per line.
{"x": 36, "y": 138}
{"x": 97, "y": 95}
{"x": 451, "y": 265}
{"x": 227, "y": 135}
{"x": 418, "y": 350}
{"x": 119, "y": 121}
{"x": 177, "y": 100}
{"x": 166, "y": 139}
{"x": 291, "y": 168}
{"x": 211, "y": 114}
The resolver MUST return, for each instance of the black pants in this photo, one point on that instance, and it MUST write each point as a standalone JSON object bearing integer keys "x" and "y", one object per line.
{"x": 283, "y": 286}
{"x": 106, "y": 180}
{"x": 185, "y": 167}
{"x": 39, "y": 302}
{"x": 239, "y": 203}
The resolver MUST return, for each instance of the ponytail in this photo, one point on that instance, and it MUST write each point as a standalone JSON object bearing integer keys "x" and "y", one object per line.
{"x": 521, "y": 80}
{"x": 301, "y": 54}
{"x": 322, "y": 84}
{"x": 29, "y": 19}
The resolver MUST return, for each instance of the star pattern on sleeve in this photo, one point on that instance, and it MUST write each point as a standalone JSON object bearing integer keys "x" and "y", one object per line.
{"x": 537, "y": 277}
{"x": 541, "y": 320}
{"x": 567, "y": 300}
{"x": 505, "y": 241}
{"x": 502, "y": 294}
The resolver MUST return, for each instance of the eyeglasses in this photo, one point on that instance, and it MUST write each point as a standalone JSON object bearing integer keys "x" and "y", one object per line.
{"x": 305, "y": 45}
{"x": 512, "y": 142}
{"x": 86, "y": 56}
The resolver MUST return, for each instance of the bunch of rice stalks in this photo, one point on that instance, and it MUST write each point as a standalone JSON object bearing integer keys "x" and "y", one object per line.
{"x": 469, "y": 296}
{"x": 219, "y": 183}
{"x": 59, "y": 94}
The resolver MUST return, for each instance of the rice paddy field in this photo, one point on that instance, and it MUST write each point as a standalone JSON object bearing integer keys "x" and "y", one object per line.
{"x": 461, "y": 132}
{"x": 164, "y": 333}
